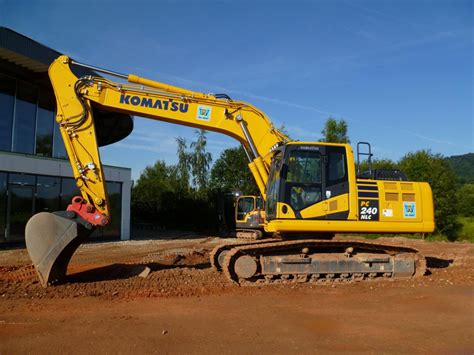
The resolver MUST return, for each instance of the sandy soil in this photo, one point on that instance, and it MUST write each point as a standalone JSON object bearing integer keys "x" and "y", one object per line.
{"x": 183, "y": 306}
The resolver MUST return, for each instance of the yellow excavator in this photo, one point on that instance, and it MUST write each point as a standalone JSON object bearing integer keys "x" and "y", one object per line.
{"x": 249, "y": 217}
{"x": 309, "y": 189}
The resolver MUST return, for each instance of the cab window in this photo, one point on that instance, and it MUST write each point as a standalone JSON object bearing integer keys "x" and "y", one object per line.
{"x": 336, "y": 171}
{"x": 273, "y": 186}
{"x": 303, "y": 180}
{"x": 244, "y": 206}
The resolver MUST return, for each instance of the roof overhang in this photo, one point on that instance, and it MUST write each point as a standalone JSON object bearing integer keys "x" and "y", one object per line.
{"x": 25, "y": 58}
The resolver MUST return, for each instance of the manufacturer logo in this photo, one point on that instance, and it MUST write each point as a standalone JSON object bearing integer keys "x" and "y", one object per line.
{"x": 204, "y": 113}
{"x": 166, "y": 105}
{"x": 409, "y": 210}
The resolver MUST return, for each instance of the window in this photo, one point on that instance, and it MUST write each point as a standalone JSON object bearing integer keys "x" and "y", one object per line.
{"x": 7, "y": 101}
{"x": 45, "y": 125}
{"x": 3, "y": 204}
{"x": 114, "y": 190}
{"x": 304, "y": 167}
{"x": 336, "y": 172}
{"x": 21, "y": 188}
{"x": 273, "y": 186}
{"x": 68, "y": 191}
{"x": 25, "y": 118}
{"x": 303, "y": 182}
{"x": 59, "y": 151}
{"x": 47, "y": 194}
{"x": 244, "y": 206}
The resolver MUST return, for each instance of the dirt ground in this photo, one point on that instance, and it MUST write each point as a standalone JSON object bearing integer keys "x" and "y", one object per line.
{"x": 183, "y": 306}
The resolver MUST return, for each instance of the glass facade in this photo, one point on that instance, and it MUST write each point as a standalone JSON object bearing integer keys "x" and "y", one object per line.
{"x": 22, "y": 195}
{"x": 114, "y": 189}
{"x": 48, "y": 189}
{"x": 20, "y": 204}
{"x": 27, "y": 122}
{"x": 3, "y": 205}
{"x": 24, "y": 119}
{"x": 45, "y": 125}
{"x": 27, "y": 126}
{"x": 7, "y": 102}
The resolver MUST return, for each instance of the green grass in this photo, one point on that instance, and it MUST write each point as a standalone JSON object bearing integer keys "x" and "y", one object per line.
{"x": 467, "y": 229}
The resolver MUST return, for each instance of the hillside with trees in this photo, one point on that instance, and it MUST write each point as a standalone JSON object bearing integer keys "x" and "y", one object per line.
{"x": 463, "y": 166}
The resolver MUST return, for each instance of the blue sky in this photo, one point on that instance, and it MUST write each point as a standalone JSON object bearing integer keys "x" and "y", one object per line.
{"x": 399, "y": 72}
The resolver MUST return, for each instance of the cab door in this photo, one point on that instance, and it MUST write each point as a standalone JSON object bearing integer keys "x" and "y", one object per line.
{"x": 335, "y": 183}
{"x": 314, "y": 181}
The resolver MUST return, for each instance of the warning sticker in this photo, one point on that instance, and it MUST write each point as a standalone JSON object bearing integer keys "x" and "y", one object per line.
{"x": 409, "y": 210}
{"x": 387, "y": 213}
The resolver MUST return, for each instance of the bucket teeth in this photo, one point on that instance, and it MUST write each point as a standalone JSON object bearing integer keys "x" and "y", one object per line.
{"x": 51, "y": 240}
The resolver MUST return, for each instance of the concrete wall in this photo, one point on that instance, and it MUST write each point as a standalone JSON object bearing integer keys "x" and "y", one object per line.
{"x": 27, "y": 164}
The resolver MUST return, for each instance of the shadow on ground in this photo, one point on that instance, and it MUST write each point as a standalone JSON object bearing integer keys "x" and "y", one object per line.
{"x": 120, "y": 271}
{"x": 438, "y": 263}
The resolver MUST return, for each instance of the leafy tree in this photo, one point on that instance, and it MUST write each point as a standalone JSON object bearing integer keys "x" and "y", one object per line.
{"x": 335, "y": 131}
{"x": 200, "y": 161}
{"x": 465, "y": 197}
{"x": 148, "y": 194}
{"x": 184, "y": 160}
{"x": 463, "y": 166}
{"x": 230, "y": 172}
{"x": 434, "y": 169}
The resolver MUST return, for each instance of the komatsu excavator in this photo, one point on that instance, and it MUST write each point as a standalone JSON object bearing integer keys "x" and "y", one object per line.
{"x": 309, "y": 189}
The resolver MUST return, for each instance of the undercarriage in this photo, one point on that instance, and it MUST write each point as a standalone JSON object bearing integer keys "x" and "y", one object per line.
{"x": 313, "y": 260}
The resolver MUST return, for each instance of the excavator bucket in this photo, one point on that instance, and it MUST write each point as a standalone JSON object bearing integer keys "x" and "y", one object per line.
{"x": 51, "y": 240}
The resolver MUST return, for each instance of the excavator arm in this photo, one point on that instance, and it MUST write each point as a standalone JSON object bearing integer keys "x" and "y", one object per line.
{"x": 154, "y": 100}
{"x": 52, "y": 238}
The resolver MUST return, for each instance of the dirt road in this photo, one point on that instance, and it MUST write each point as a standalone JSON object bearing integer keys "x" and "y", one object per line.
{"x": 185, "y": 307}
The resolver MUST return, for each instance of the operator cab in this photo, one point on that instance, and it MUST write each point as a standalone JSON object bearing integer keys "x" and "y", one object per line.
{"x": 303, "y": 175}
{"x": 248, "y": 212}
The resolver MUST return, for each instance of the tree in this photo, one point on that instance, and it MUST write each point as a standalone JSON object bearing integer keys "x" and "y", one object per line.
{"x": 184, "y": 161}
{"x": 155, "y": 183}
{"x": 231, "y": 172}
{"x": 335, "y": 131}
{"x": 434, "y": 169}
{"x": 200, "y": 161}
{"x": 466, "y": 200}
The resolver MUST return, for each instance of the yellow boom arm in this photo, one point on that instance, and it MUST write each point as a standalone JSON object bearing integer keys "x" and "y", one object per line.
{"x": 155, "y": 100}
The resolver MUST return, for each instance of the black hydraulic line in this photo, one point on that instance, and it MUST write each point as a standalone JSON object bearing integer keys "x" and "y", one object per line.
{"x": 222, "y": 96}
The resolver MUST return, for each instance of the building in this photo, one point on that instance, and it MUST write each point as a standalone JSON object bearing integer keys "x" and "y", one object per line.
{"x": 35, "y": 174}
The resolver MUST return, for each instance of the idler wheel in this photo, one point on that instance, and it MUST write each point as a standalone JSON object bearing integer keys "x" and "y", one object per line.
{"x": 245, "y": 267}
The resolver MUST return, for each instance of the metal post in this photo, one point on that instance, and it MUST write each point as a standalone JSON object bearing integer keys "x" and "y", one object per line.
{"x": 247, "y": 135}
{"x": 100, "y": 70}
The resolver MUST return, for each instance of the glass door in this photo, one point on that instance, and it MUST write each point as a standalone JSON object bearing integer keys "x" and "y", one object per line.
{"x": 3, "y": 206}
{"x": 20, "y": 206}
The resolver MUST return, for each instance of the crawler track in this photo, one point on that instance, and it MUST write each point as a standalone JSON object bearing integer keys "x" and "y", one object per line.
{"x": 317, "y": 261}
{"x": 216, "y": 253}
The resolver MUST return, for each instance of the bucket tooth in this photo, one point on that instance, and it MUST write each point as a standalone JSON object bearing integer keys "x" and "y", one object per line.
{"x": 51, "y": 240}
